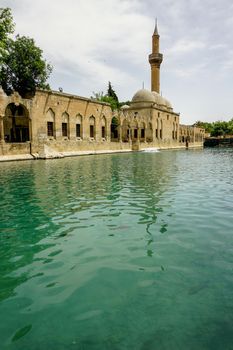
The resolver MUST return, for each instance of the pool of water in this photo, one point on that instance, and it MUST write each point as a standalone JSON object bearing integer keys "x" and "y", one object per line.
{"x": 123, "y": 251}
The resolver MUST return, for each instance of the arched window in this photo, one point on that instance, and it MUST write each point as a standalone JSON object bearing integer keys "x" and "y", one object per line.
{"x": 103, "y": 127}
{"x": 157, "y": 129}
{"x": 161, "y": 129}
{"x": 65, "y": 124}
{"x": 50, "y": 117}
{"x": 79, "y": 126}
{"x": 16, "y": 123}
{"x": 173, "y": 131}
{"x": 114, "y": 129}
{"x": 142, "y": 131}
{"x": 92, "y": 127}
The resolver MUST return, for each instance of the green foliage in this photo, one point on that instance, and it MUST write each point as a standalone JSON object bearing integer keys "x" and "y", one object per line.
{"x": 115, "y": 121}
{"x": 99, "y": 96}
{"x": 23, "y": 68}
{"x": 218, "y": 128}
{"x": 124, "y": 103}
{"x": 112, "y": 101}
{"x": 6, "y": 28}
{"x": 205, "y": 125}
{"x": 111, "y": 92}
{"x": 110, "y": 97}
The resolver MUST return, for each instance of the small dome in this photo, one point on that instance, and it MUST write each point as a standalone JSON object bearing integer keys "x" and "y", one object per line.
{"x": 124, "y": 107}
{"x": 168, "y": 104}
{"x": 161, "y": 100}
{"x": 143, "y": 95}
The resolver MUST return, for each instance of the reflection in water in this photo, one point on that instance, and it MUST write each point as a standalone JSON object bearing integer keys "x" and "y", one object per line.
{"x": 94, "y": 248}
{"x": 57, "y": 199}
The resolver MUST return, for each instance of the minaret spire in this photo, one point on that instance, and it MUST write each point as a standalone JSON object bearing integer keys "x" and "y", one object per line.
{"x": 155, "y": 59}
{"x": 156, "y": 27}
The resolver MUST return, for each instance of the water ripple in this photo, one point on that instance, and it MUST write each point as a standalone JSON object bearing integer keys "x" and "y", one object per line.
{"x": 117, "y": 251}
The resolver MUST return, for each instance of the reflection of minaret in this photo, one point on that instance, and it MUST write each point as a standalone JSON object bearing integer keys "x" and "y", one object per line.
{"x": 155, "y": 60}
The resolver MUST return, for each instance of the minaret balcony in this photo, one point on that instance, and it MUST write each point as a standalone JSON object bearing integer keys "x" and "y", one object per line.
{"x": 155, "y": 58}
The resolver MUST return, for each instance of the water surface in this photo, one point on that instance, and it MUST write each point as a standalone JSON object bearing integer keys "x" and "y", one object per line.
{"x": 124, "y": 251}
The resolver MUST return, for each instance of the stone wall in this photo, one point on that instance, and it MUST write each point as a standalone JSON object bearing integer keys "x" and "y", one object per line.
{"x": 71, "y": 125}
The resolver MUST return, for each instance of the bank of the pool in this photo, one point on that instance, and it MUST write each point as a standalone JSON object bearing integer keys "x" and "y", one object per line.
{"x": 51, "y": 154}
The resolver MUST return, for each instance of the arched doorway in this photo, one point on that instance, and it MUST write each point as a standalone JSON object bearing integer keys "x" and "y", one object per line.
{"x": 16, "y": 123}
{"x": 114, "y": 129}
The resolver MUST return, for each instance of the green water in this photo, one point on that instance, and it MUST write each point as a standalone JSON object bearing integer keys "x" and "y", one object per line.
{"x": 124, "y": 251}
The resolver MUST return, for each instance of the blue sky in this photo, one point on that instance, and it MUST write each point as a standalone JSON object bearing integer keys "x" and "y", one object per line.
{"x": 91, "y": 42}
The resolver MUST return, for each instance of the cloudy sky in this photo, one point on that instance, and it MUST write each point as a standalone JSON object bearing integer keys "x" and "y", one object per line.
{"x": 91, "y": 42}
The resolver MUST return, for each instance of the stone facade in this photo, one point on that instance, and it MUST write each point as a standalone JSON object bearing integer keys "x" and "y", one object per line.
{"x": 54, "y": 124}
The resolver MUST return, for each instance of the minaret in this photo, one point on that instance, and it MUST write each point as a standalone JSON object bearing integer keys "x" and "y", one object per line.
{"x": 155, "y": 59}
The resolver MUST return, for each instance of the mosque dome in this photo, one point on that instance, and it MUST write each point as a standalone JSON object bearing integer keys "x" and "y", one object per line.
{"x": 143, "y": 95}
{"x": 157, "y": 98}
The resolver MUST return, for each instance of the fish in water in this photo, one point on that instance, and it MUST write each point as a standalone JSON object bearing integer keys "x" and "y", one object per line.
{"x": 196, "y": 289}
{"x": 123, "y": 227}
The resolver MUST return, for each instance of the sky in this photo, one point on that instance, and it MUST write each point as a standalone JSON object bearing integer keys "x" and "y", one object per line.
{"x": 91, "y": 42}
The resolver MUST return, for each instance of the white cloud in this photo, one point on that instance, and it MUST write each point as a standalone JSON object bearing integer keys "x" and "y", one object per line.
{"x": 189, "y": 72}
{"x": 183, "y": 46}
{"x": 87, "y": 35}
{"x": 218, "y": 47}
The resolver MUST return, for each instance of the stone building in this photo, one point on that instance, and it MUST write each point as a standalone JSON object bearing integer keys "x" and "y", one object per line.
{"x": 55, "y": 124}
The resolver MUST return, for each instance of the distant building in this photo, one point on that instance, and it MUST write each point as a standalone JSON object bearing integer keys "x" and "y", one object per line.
{"x": 54, "y": 124}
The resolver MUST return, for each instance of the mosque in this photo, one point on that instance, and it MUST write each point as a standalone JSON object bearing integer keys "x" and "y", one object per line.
{"x": 55, "y": 124}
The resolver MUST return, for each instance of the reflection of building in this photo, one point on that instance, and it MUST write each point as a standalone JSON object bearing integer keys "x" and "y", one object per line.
{"x": 54, "y": 123}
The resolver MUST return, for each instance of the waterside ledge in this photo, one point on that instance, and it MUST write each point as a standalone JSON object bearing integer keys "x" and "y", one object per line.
{"x": 56, "y": 155}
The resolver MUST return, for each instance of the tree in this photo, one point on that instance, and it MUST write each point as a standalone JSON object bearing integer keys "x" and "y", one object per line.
{"x": 111, "y": 92}
{"x": 230, "y": 127}
{"x": 218, "y": 128}
{"x": 99, "y": 96}
{"x": 110, "y": 97}
{"x": 204, "y": 125}
{"x": 6, "y": 28}
{"x": 23, "y": 69}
